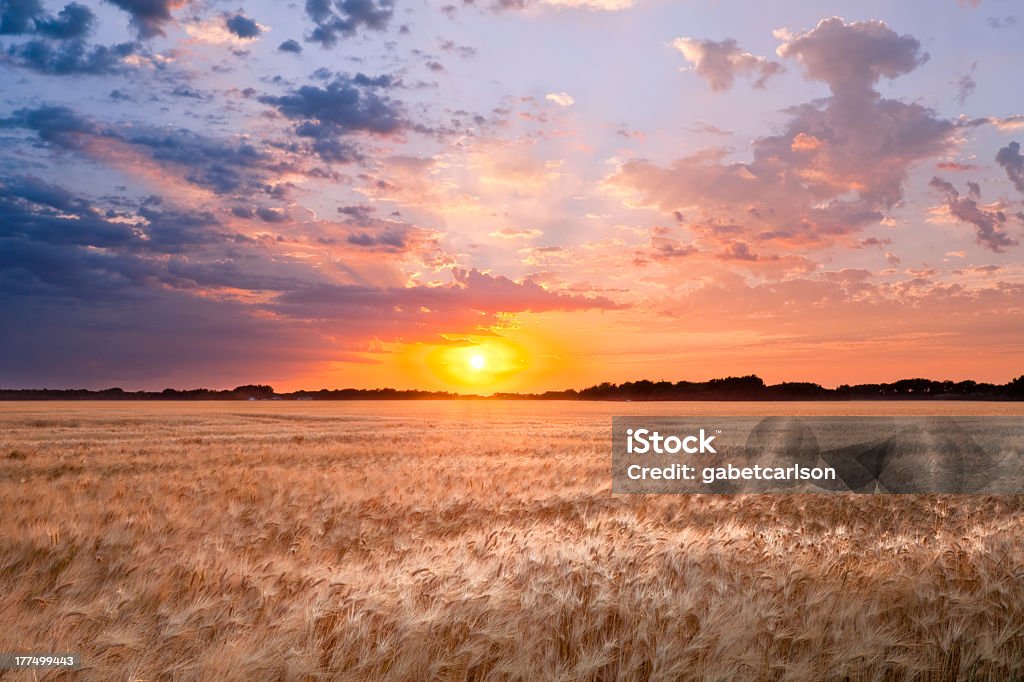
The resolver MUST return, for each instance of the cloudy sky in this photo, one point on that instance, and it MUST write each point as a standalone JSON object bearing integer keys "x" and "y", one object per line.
{"x": 509, "y": 194}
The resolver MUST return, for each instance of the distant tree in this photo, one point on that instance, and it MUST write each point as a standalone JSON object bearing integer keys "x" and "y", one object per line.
{"x": 255, "y": 390}
{"x": 750, "y": 382}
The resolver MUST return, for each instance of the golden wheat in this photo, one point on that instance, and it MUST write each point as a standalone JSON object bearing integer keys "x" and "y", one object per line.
{"x": 466, "y": 541}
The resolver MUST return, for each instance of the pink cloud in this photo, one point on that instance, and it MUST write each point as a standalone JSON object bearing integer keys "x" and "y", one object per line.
{"x": 838, "y": 166}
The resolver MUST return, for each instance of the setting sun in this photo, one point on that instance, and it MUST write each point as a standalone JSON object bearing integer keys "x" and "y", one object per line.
{"x": 478, "y": 362}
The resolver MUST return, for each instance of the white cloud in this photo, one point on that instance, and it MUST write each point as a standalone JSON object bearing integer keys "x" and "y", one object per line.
{"x": 603, "y": 5}
{"x": 562, "y": 99}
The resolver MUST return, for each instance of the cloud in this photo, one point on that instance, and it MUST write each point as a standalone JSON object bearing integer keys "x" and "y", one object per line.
{"x": 850, "y": 313}
{"x": 1009, "y": 21}
{"x": 170, "y": 230}
{"x": 18, "y": 16}
{"x": 464, "y": 51}
{"x": 721, "y": 62}
{"x": 386, "y": 240}
{"x": 243, "y": 27}
{"x": 983, "y": 270}
{"x": 956, "y": 166}
{"x": 803, "y": 142}
{"x": 852, "y": 57}
{"x": 130, "y": 306}
{"x": 397, "y": 237}
{"x": 111, "y": 279}
{"x": 272, "y": 215}
{"x": 470, "y": 293}
{"x": 1009, "y": 157}
{"x": 37, "y": 211}
{"x": 342, "y": 107}
{"x": 359, "y": 213}
{"x": 149, "y": 16}
{"x": 562, "y": 99}
{"x": 596, "y": 5}
{"x": 663, "y": 247}
{"x": 130, "y": 333}
{"x": 70, "y": 27}
{"x": 290, "y": 46}
{"x": 838, "y": 165}
{"x": 221, "y": 166}
{"x": 346, "y": 17}
{"x": 513, "y": 233}
{"x": 70, "y": 58}
{"x": 1008, "y": 124}
{"x": 591, "y": 5}
{"x": 57, "y": 125}
{"x": 391, "y": 236}
{"x": 72, "y": 22}
{"x": 990, "y": 224}
{"x": 966, "y": 85}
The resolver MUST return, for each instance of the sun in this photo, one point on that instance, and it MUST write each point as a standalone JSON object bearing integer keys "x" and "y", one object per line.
{"x": 478, "y": 362}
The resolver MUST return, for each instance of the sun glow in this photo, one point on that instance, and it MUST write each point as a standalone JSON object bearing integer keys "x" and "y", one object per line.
{"x": 478, "y": 362}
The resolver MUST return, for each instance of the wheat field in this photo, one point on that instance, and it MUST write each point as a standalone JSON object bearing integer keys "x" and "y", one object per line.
{"x": 472, "y": 541}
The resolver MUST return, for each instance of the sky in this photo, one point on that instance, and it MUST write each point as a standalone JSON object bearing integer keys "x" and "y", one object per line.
{"x": 509, "y": 195}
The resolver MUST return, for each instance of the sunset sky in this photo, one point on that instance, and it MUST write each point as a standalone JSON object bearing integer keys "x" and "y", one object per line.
{"x": 497, "y": 195}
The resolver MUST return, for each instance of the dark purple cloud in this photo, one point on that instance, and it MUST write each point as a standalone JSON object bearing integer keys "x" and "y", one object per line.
{"x": 18, "y": 16}
{"x": 34, "y": 210}
{"x": 73, "y": 22}
{"x": 271, "y": 215}
{"x": 29, "y": 17}
{"x": 343, "y": 18}
{"x": 1009, "y": 157}
{"x": 990, "y": 225}
{"x": 243, "y": 27}
{"x": 148, "y": 16}
{"x": 41, "y": 212}
{"x": 58, "y": 46}
{"x": 342, "y": 107}
{"x": 70, "y": 58}
{"x": 225, "y": 167}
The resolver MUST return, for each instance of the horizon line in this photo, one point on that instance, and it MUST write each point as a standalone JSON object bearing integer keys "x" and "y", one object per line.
{"x": 728, "y": 384}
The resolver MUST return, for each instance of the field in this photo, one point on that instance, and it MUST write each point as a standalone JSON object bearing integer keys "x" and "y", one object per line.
{"x": 472, "y": 540}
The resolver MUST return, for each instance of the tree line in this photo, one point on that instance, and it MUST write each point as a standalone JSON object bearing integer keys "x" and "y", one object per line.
{"x": 749, "y": 387}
